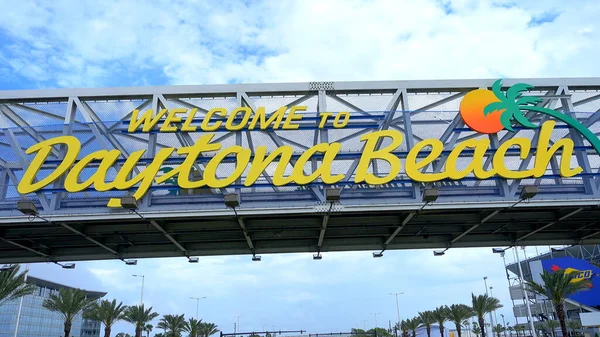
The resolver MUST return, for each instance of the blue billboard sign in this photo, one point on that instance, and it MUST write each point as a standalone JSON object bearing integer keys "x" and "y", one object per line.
{"x": 584, "y": 271}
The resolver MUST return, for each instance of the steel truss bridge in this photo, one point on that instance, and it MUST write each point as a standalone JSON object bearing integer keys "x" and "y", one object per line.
{"x": 270, "y": 219}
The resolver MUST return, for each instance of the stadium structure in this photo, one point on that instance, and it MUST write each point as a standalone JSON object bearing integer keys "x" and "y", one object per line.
{"x": 579, "y": 259}
{"x": 189, "y": 171}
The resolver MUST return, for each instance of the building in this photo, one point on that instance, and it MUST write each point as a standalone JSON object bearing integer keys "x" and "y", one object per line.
{"x": 579, "y": 259}
{"x": 35, "y": 321}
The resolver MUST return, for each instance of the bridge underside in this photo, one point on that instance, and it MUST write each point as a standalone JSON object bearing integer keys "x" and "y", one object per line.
{"x": 276, "y": 219}
{"x": 286, "y": 233}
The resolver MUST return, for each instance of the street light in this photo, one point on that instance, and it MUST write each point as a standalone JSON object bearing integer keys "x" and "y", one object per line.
{"x": 486, "y": 292}
{"x": 492, "y": 294}
{"x": 375, "y": 314}
{"x": 503, "y": 322}
{"x": 197, "y": 303}
{"x": 397, "y": 307}
{"x": 143, "y": 278}
{"x": 238, "y": 322}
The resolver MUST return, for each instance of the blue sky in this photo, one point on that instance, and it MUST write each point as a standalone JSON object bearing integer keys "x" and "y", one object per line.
{"x": 131, "y": 43}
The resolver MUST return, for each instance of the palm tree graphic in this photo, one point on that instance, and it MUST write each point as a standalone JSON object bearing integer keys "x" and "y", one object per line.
{"x": 514, "y": 104}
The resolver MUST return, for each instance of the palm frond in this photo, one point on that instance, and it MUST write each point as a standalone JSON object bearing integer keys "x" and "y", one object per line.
{"x": 494, "y": 106}
{"x": 68, "y": 303}
{"x": 521, "y": 119}
{"x": 497, "y": 90}
{"x": 558, "y": 286}
{"x": 515, "y": 91}
{"x": 13, "y": 285}
{"x": 505, "y": 119}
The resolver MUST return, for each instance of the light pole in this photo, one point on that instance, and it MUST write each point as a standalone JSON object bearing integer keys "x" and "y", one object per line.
{"x": 490, "y": 332}
{"x": 21, "y": 302}
{"x": 375, "y": 314}
{"x": 364, "y": 324}
{"x": 238, "y": 322}
{"x": 143, "y": 278}
{"x": 504, "y": 324}
{"x": 397, "y": 307}
{"x": 492, "y": 294}
{"x": 198, "y": 303}
{"x": 529, "y": 316}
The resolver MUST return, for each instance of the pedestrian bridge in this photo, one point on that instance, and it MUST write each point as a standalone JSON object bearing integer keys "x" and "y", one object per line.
{"x": 320, "y": 198}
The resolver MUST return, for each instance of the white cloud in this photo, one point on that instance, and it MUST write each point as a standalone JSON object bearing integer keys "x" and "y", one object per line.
{"x": 74, "y": 44}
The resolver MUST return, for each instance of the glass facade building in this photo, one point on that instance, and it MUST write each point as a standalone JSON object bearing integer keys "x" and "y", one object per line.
{"x": 35, "y": 321}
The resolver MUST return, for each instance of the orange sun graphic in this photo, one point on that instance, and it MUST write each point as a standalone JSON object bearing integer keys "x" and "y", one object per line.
{"x": 471, "y": 111}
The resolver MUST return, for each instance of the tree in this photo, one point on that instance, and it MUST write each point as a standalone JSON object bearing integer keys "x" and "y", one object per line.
{"x": 173, "y": 324}
{"x": 427, "y": 319}
{"x": 413, "y": 324}
{"x": 512, "y": 104}
{"x": 520, "y": 328}
{"x": 483, "y": 304}
{"x": 404, "y": 328}
{"x": 552, "y": 325}
{"x": 160, "y": 334}
{"x": 498, "y": 329}
{"x": 148, "y": 329}
{"x": 68, "y": 303}
{"x": 208, "y": 329}
{"x": 193, "y": 327}
{"x": 360, "y": 332}
{"x": 106, "y": 312}
{"x": 139, "y": 316}
{"x": 574, "y": 325}
{"x": 510, "y": 329}
{"x": 458, "y": 313}
{"x": 13, "y": 285}
{"x": 440, "y": 315}
{"x": 467, "y": 324}
{"x": 558, "y": 286}
{"x": 476, "y": 329}
{"x": 122, "y": 334}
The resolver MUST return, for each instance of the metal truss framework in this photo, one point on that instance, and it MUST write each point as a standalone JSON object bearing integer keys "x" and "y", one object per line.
{"x": 272, "y": 219}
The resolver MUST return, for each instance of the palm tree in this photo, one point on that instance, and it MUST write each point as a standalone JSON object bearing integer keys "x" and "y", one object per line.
{"x": 476, "y": 329}
{"x": 193, "y": 327}
{"x": 483, "y": 304}
{"x": 497, "y": 329}
{"x": 557, "y": 287}
{"x": 106, "y": 312}
{"x": 574, "y": 325}
{"x": 458, "y": 313}
{"x": 173, "y": 324}
{"x": 551, "y": 325}
{"x": 413, "y": 324}
{"x": 519, "y": 328}
{"x": 139, "y": 316}
{"x": 68, "y": 303}
{"x": 13, "y": 285}
{"x": 148, "y": 329}
{"x": 510, "y": 329}
{"x": 427, "y": 319}
{"x": 440, "y": 315}
{"x": 467, "y": 324}
{"x": 208, "y": 329}
{"x": 404, "y": 328}
{"x": 513, "y": 104}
